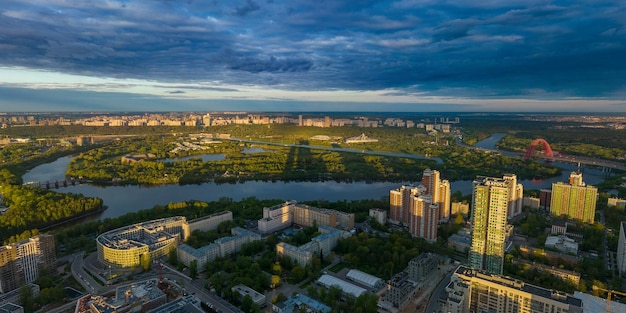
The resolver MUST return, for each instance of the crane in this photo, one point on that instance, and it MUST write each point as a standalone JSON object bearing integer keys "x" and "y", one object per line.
{"x": 608, "y": 297}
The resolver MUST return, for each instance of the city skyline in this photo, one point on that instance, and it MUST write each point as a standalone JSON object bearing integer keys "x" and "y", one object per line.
{"x": 383, "y": 56}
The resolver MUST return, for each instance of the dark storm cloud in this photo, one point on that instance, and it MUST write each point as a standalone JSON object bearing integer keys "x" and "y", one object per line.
{"x": 449, "y": 48}
{"x": 243, "y": 10}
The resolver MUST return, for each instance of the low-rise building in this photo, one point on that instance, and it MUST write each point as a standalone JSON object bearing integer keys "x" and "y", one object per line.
{"x": 285, "y": 215}
{"x": 370, "y": 281}
{"x": 346, "y": 287}
{"x": 256, "y": 296}
{"x": 222, "y": 247}
{"x": 531, "y": 202}
{"x": 565, "y": 275}
{"x": 318, "y": 246}
{"x": 379, "y": 216}
{"x": 620, "y": 203}
{"x": 562, "y": 243}
{"x": 300, "y": 303}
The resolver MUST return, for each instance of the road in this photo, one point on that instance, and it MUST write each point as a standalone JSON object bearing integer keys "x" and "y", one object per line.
{"x": 195, "y": 287}
{"x": 390, "y": 154}
{"x": 433, "y": 305}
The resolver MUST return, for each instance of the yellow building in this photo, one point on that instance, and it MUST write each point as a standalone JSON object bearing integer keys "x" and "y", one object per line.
{"x": 126, "y": 246}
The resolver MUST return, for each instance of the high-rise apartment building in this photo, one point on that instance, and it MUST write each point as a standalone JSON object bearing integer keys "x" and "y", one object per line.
{"x": 22, "y": 262}
{"x": 444, "y": 201}
{"x": 400, "y": 203}
{"x": 421, "y": 208}
{"x": 424, "y": 217}
{"x": 431, "y": 185}
{"x": 516, "y": 195}
{"x": 621, "y": 249}
{"x": 575, "y": 199}
{"x": 490, "y": 205}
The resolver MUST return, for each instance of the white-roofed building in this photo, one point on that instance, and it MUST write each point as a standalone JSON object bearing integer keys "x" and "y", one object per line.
{"x": 370, "y": 281}
{"x": 562, "y": 243}
{"x": 347, "y": 288}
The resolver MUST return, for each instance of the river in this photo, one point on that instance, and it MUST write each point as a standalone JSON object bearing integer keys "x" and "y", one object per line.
{"x": 124, "y": 199}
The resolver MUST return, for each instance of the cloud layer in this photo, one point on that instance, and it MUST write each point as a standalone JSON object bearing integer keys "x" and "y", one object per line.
{"x": 529, "y": 49}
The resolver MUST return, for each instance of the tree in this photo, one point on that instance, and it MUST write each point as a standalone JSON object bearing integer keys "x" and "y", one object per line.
{"x": 172, "y": 257}
{"x": 193, "y": 269}
{"x": 459, "y": 220}
{"x": 276, "y": 268}
{"x": 275, "y": 281}
{"x": 145, "y": 261}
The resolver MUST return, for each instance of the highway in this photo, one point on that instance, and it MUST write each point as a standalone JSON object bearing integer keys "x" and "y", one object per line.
{"x": 390, "y": 154}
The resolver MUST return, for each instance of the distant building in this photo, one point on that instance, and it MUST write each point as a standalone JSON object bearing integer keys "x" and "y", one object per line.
{"x": 574, "y": 200}
{"x": 360, "y": 139}
{"x": 620, "y": 203}
{"x": 545, "y": 196}
{"x": 459, "y": 207}
{"x": 210, "y": 222}
{"x": 479, "y": 291}
{"x": 531, "y": 202}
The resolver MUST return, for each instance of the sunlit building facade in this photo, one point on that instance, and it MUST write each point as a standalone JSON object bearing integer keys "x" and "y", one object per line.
{"x": 127, "y": 246}
{"x": 478, "y": 291}
{"x": 490, "y": 203}
{"x": 23, "y": 262}
{"x": 574, "y": 200}
{"x": 284, "y": 215}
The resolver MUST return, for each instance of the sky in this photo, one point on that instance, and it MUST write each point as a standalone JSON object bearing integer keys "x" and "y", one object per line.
{"x": 313, "y": 55}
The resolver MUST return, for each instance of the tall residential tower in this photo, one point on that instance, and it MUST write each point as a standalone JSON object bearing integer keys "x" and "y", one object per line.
{"x": 490, "y": 205}
{"x": 575, "y": 199}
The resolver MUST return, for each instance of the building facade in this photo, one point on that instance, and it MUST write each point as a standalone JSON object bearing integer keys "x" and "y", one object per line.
{"x": 421, "y": 207}
{"x": 22, "y": 262}
{"x": 128, "y": 245}
{"x": 222, "y": 247}
{"x": 320, "y": 246}
{"x": 490, "y": 201}
{"x": 284, "y": 215}
{"x": 477, "y": 291}
{"x": 424, "y": 218}
{"x": 574, "y": 200}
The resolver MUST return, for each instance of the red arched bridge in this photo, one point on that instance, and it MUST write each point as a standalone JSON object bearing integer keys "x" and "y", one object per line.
{"x": 546, "y": 147}
{"x": 550, "y": 155}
